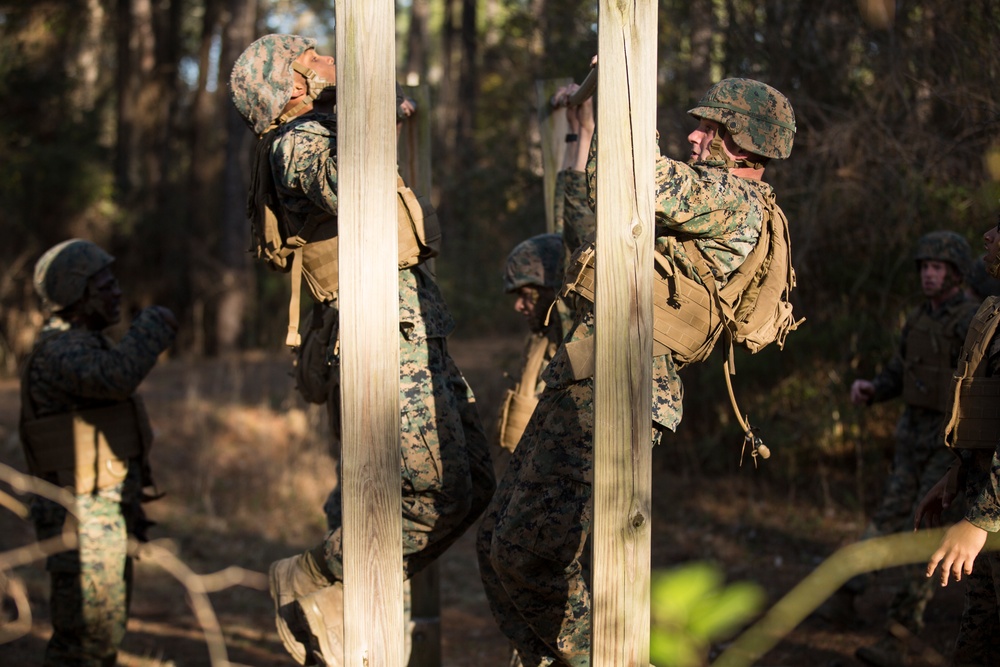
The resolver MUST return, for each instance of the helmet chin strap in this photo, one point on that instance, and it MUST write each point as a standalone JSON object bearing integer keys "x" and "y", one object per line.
{"x": 314, "y": 86}
{"x": 717, "y": 151}
{"x": 994, "y": 268}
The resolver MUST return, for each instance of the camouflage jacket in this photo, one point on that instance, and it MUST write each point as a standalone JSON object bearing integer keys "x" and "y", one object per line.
{"x": 76, "y": 369}
{"x": 703, "y": 201}
{"x": 304, "y": 165}
{"x": 956, "y": 314}
{"x": 983, "y": 467}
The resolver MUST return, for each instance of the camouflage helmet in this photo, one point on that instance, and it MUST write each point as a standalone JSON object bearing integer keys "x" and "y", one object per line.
{"x": 262, "y": 78}
{"x": 759, "y": 118}
{"x": 945, "y": 247}
{"x": 61, "y": 274}
{"x": 536, "y": 262}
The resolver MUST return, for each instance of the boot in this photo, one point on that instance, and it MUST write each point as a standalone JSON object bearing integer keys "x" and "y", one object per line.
{"x": 886, "y": 652}
{"x": 290, "y": 579}
{"x": 324, "y": 615}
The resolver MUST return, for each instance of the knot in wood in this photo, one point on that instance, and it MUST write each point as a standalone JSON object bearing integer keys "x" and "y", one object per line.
{"x": 638, "y": 519}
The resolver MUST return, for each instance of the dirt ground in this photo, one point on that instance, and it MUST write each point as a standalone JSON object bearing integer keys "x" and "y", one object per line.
{"x": 245, "y": 466}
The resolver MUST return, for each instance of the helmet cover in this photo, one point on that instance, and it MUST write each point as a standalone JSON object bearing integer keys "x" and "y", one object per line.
{"x": 61, "y": 274}
{"x": 759, "y": 118}
{"x": 262, "y": 79}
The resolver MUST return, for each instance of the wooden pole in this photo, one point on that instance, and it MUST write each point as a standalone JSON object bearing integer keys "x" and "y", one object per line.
{"x": 626, "y": 122}
{"x": 369, "y": 333}
{"x": 425, "y": 589}
{"x": 552, "y": 128}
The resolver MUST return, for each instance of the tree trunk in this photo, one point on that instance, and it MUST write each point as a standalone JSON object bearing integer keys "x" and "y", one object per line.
{"x": 237, "y": 277}
{"x": 416, "y": 41}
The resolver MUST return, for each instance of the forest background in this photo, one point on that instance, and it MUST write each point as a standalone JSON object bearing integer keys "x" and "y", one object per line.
{"x": 116, "y": 125}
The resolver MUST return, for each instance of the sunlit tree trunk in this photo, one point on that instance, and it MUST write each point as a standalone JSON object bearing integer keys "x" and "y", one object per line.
{"x": 236, "y": 279}
{"x": 416, "y": 43}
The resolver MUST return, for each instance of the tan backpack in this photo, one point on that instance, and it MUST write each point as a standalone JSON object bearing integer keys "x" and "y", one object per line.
{"x": 312, "y": 253}
{"x": 689, "y": 317}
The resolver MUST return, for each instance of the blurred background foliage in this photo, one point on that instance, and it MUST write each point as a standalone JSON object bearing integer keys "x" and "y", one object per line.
{"x": 115, "y": 125}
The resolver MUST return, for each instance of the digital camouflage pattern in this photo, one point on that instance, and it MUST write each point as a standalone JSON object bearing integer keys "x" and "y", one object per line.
{"x": 444, "y": 456}
{"x": 945, "y": 246}
{"x": 579, "y": 221}
{"x": 262, "y": 78}
{"x": 531, "y": 541}
{"x": 535, "y": 262}
{"x": 759, "y": 118}
{"x": 980, "y": 625}
{"x": 61, "y": 273}
{"x": 77, "y": 369}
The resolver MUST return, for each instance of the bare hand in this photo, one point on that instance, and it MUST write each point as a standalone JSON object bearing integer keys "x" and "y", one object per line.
{"x": 957, "y": 553}
{"x": 862, "y": 392}
{"x": 408, "y": 107}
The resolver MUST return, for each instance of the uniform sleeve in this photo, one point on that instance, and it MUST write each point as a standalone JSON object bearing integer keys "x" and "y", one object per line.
{"x": 304, "y": 162}
{"x": 559, "y": 203}
{"x": 889, "y": 383}
{"x": 579, "y": 220}
{"x": 985, "y": 510}
{"x": 92, "y": 371}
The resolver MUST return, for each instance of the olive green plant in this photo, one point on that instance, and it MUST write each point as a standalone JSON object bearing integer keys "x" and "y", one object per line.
{"x": 691, "y": 607}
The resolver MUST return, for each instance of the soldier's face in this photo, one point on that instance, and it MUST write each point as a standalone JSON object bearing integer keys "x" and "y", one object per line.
{"x": 701, "y": 139}
{"x": 324, "y": 66}
{"x": 935, "y": 277}
{"x": 991, "y": 243}
{"x": 105, "y": 296}
{"x": 533, "y": 303}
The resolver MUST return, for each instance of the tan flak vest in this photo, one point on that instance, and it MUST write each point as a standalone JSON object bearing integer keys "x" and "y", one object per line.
{"x": 85, "y": 450}
{"x": 312, "y": 254}
{"x": 975, "y": 398}
{"x": 927, "y": 367}
{"x": 520, "y": 402}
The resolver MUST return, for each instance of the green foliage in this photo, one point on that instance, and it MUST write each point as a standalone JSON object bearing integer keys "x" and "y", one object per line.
{"x": 691, "y": 607}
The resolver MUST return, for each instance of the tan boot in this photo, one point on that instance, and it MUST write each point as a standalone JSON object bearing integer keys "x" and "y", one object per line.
{"x": 324, "y": 615}
{"x": 323, "y": 612}
{"x": 290, "y": 579}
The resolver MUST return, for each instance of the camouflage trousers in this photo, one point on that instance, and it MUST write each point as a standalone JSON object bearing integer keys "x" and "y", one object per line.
{"x": 445, "y": 464}
{"x": 533, "y": 541}
{"x": 90, "y": 586}
{"x": 978, "y": 640}
{"x": 920, "y": 460}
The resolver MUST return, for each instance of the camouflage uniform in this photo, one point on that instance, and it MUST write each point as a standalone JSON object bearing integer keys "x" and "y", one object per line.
{"x": 73, "y": 368}
{"x": 447, "y": 474}
{"x": 532, "y": 541}
{"x": 920, "y": 458}
{"x": 978, "y": 640}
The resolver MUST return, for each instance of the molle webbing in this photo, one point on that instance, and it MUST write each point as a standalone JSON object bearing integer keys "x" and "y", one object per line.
{"x": 520, "y": 402}
{"x": 87, "y": 450}
{"x": 974, "y": 422}
{"x": 927, "y": 369}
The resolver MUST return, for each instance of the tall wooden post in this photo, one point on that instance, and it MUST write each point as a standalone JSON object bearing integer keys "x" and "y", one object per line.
{"x": 552, "y": 127}
{"x": 626, "y": 125}
{"x": 369, "y": 333}
{"x": 425, "y": 587}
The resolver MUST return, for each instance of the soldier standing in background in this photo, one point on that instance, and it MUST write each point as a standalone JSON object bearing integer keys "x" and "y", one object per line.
{"x": 920, "y": 372}
{"x": 534, "y": 270}
{"x": 282, "y": 88}
{"x": 974, "y": 431}
{"x": 533, "y": 274}
{"x": 531, "y": 543}
{"x": 83, "y": 428}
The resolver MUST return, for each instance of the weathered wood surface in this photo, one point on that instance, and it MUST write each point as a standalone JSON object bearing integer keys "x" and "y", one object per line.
{"x": 369, "y": 326}
{"x": 623, "y": 308}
